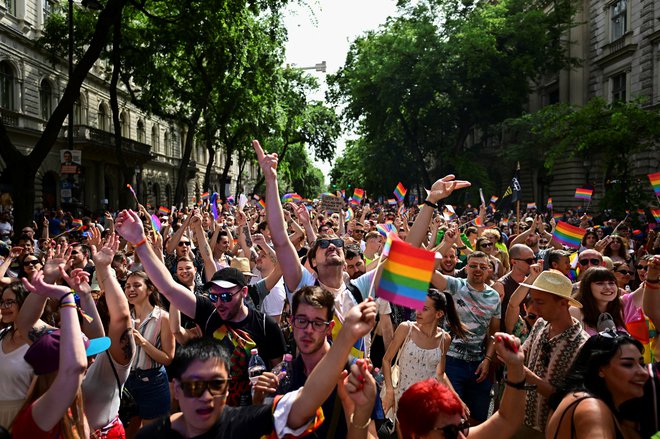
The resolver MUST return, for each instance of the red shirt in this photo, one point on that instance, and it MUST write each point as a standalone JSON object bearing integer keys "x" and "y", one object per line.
{"x": 24, "y": 426}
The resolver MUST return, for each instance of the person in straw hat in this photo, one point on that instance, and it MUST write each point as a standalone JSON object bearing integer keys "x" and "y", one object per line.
{"x": 551, "y": 347}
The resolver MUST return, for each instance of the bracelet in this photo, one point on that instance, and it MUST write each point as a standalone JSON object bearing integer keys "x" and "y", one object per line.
{"x": 428, "y": 203}
{"x": 520, "y": 385}
{"x": 652, "y": 285}
{"x": 360, "y": 427}
{"x": 68, "y": 305}
{"x": 462, "y": 247}
{"x": 136, "y": 245}
{"x": 70, "y": 293}
{"x": 489, "y": 358}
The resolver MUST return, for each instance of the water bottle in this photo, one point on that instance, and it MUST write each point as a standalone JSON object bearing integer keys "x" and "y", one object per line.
{"x": 284, "y": 374}
{"x": 256, "y": 366}
{"x": 379, "y": 377}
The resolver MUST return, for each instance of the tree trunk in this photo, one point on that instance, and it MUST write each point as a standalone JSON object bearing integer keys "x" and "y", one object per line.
{"x": 242, "y": 160}
{"x": 209, "y": 165}
{"x": 25, "y": 166}
{"x": 182, "y": 174}
{"x": 225, "y": 170}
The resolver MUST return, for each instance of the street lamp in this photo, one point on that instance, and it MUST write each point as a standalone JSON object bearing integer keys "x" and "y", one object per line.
{"x": 94, "y": 5}
{"x": 319, "y": 67}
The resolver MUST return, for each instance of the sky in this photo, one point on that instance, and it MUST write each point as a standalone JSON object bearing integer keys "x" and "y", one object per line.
{"x": 324, "y": 32}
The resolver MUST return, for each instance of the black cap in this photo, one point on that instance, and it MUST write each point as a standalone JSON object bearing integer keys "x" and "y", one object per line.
{"x": 227, "y": 278}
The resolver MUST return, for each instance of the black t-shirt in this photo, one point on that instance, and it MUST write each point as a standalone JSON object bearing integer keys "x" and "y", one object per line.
{"x": 263, "y": 330}
{"x": 234, "y": 422}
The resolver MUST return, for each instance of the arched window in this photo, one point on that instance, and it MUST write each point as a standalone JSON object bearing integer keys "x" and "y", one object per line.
{"x": 46, "y": 98}
{"x": 125, "y": 124}
{"x": 102, "y": 118}
{"x": 155, "y": 140}
{"x": 141, "y": 135}
{"x": 7, "y": 80}
{"x": 78, "y": 112}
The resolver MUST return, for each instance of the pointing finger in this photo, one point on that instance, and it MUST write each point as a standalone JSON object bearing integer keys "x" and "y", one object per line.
{"x": 257, "y": 148}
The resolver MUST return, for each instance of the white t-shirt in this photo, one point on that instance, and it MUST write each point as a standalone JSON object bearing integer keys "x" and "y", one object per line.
{"x": 273, "y": 303}
{"x": 16, "y": 375}
{"x": 100, "y": 391}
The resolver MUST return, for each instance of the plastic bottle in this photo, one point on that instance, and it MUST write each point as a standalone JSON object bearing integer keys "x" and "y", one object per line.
{"x": 379, "y": 377}
{"x": 256, "y": 366}
{"x": 284, "y": 374}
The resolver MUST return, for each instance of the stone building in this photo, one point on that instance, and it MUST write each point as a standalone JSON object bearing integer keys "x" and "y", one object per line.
{"x": 31, "y": 86}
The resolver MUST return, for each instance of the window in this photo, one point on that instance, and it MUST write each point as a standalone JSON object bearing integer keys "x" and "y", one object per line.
{"x": 166, "y": 144}
{"x": 102, "y": 118}
{"x": 7, "y": 80}
{"x": 47, "y": 9}
{"x": 11, "y": 6}
{"x": 154, "y": 137}
{"x": 141, "y": 135}
{"x": 618, "y": 13}
{"x": 619, "y": 87}
{"x": 46, "y": 98}
{"x": 125, "y": 124}
{"x": 77, "y": 112}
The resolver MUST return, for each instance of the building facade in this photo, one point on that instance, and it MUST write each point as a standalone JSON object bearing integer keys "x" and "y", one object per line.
{"x": 31, "y": 86}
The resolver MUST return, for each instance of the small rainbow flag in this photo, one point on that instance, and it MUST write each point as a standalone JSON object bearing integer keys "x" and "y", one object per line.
{"x": 205, "y": 196}
{"x": 391, "y": 237}
{"x": 557, "y": 215}
{"x": 358, "y": 194}
{"x": 231, "y": 200}
{"x": 478, "y": 221}
{"x": 568, "y": 235}
{"x": 406, "y": 275}
{"x": 76, "y": 223}
{"x": 400, "y": 191}
{"x": 637, "y": 234}
{"x": 549, "y": 204}
{"x": 261, "y": 204}
{"x": 583, "y": 193}
{"x": 155, "y": 223}
{"x": 391, "y": 201}
{"x": 402, "y": 209}
{"x": 494, "y": 199}
{"x": 656, "y": 215}
{"x": 641, "y": 212}
{"x": 386, "y": 228}
{"x": 449, "y": 213}
{"x": 349, "y": 214}
{"x": 531, "y": 206}
{"x": 162, "y": 210}
{"x": 655, "y": 182}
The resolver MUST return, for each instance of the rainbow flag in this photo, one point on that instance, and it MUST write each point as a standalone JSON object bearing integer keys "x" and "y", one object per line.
{"x": 349, "y": 214}
{"x": 384, "y": 229}
{"x": 557, "y": 215}
{"x": 641, "y": 212}
{"x": 261, "y": 204}
{"x": 549, "y": 204}
{"x": 655, "y": 182}
{"x": 155, "y": 223}
{"x": 391, "y": 237}
{"x": 287, "y": 197}
{"x": 402, "y": 210}
{"x": 205, "y": 196}
{"x": 76, "y": 223}
{"x": 391, "y": 201}
{"x": 478, "y": 221}
{"x": 162, "y": 210}
{"x": 656, "y": 215}
{"x": 406, "y": 275}
{"x": 256, "y": 197}
{"x": 583, "y": 193}
{"x": 568, "y": 235}
{"x": 231, "y": 200}
{"x": 531, "y": 206}
{"x": 494, "y": 199}
{"x": 449, "y": 213}
{"x": 358, "y": 194}
{"x": 400, "y": 192}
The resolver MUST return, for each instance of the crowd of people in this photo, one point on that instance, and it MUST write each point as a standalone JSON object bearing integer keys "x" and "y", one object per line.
{"x": 148, "y": 324}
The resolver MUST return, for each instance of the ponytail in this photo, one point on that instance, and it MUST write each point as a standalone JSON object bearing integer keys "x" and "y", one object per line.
{"x": 455, "y": 325}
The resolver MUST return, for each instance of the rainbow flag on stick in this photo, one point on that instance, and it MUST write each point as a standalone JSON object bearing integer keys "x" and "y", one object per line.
{"x": 162, "y": 210}
{"x": 655, "y": 182}
{"x": 494, "y": 199}
{"x": 76, "y": 223}
{"x": 568, "y": 235}
{"x": 262, "y": 204}
{"x": 385, "y": 229}
{"x": 155, "y": 223}
{"x": 656, "y": 215}
{"x": 406, "y": 275}
{"x": 549, "y": 204}
{"x": 583, "y": 193}
{"x": 358, "y": 194}
{"x": 205, "y": 196}
{"x": 531, "y": 206}
{"x": 400, "y": 192}
{"x": 349, "y": 214}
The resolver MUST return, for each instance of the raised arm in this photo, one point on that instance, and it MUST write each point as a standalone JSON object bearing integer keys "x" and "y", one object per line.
{"x": 520, "y": 239}
{"x": 512, "y": 311}
{"x": 172, "y": 242}
{"x": 50, "y": 408}
{"x": 286, "y": 253}
{"x": 440, "y": 190}
{"x": 303, "y": 216}
{"x": 120, "y": 326}
{"x": 79, "y": 282}
{"x": 130, "y": 227}
{"x": 651, "y": 302}
{"x": 204, "y": 247}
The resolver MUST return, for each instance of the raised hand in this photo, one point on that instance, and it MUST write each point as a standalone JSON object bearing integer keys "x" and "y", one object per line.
{"x": 302, "y": 213}
{"x": 78, "y": 280}
{"x": 56, "y": 261}
{"x": 268, "y": 162}
{"x": 44, "y": 289}
{"x": 359, "y": 385}
{"x": 508, "y": 349}
{"x": 359, "y": 320}
{"x": 129, "y": 226}
{"x": 94, "y": 239}
{"x": 444, "y": 187}
{"x": 105, "y": 255}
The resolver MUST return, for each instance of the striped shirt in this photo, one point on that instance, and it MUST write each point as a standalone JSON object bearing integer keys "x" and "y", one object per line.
{"x": 150, "y": 330}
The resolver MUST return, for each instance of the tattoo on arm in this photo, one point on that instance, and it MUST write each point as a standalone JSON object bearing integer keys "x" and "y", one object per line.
{"x": 127, "y": 344}
{"x": 36, "y": 333}
{"x": 248, "y": 238}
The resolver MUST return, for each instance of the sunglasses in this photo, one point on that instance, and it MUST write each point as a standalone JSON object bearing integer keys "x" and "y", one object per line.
{"x": 74, "y": 252}
{"x": 195, "y": 389}
{"x": 625, "y": 272}
{"x": 223, "y": 297}
{"x": 529, "y": 261}
{"x": 303, "y": 322}
{"x": 593, "y": 261}
{"x": 642, "y": 267}
{"x": 358, "y": 231}
{"x": 487, "y": 244}
{"x": 325, "y": 243}
{"x": 32, "y": 262}
{"x": 452, "y": 431}
{"x": 182, "y": 243}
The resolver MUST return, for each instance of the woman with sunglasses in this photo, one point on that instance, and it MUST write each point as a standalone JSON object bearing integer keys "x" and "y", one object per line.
{"x": 31, "y": 264}
{"x": 608, "y": 371}
{"x": 485, "y": 245}
{"x": 623, "y": 273}
{"x": 420, "y": 347}
{"x": 429, "y": 409}
{"x": 17, "y": 374}
{"x": 598, "y": 293}
{"x": 155, "y": 345}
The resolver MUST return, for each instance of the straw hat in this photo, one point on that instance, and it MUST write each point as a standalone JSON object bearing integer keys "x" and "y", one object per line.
{"x": 554, "y": 282}
{"x": 242, "y": 265}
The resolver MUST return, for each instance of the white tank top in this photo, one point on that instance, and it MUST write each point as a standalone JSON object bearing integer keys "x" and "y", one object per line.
{"x": 16, "y": 375}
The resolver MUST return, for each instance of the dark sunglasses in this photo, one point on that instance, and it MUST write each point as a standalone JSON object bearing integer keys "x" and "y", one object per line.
{"x": 642, "y": 267}
{"x": 593, "y": 261}
{"x": 32, "y": 262}
{"x": 325, "y": 243}
{"x": 529, "y": 261}
{"x": 182, "y": 243}
{"x": 358, "y": 231}
{"x": 195, "y": 389}
{"x": 625, "y": 272}
{"x": 223, "y": 297}
{"x": 452, "y": 431}
{"x": 74, "y": 252}
{"x": 486, "y": 244}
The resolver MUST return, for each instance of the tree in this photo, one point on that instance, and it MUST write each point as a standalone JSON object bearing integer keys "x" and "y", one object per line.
{"x": 21, "y": 169}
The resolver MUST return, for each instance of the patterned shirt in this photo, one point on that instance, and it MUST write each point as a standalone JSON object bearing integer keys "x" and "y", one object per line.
{"x": 550, "y": 359}
{"x": 475, "y": 309}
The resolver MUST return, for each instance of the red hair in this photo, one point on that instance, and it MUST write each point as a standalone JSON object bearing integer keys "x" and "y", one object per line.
{"x": 420, "y": 405}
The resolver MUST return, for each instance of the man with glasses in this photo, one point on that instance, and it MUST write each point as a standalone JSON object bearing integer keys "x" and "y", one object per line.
{"x": 469, "y": 360}
{"x": 587, "y": 259}
{"x": 521, "y": 258}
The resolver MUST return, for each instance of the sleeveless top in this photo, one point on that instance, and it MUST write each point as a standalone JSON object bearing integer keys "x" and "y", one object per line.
{"x": 417, "y": 364}
{"x": 16, "y": 375}
{"x": 574, "y": 404}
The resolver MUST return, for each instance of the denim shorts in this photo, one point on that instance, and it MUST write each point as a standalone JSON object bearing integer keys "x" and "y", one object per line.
{"x": 151, "y": 392}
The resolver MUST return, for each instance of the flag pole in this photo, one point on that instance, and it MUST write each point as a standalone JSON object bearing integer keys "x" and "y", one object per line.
{"x": 518, "y": 217}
